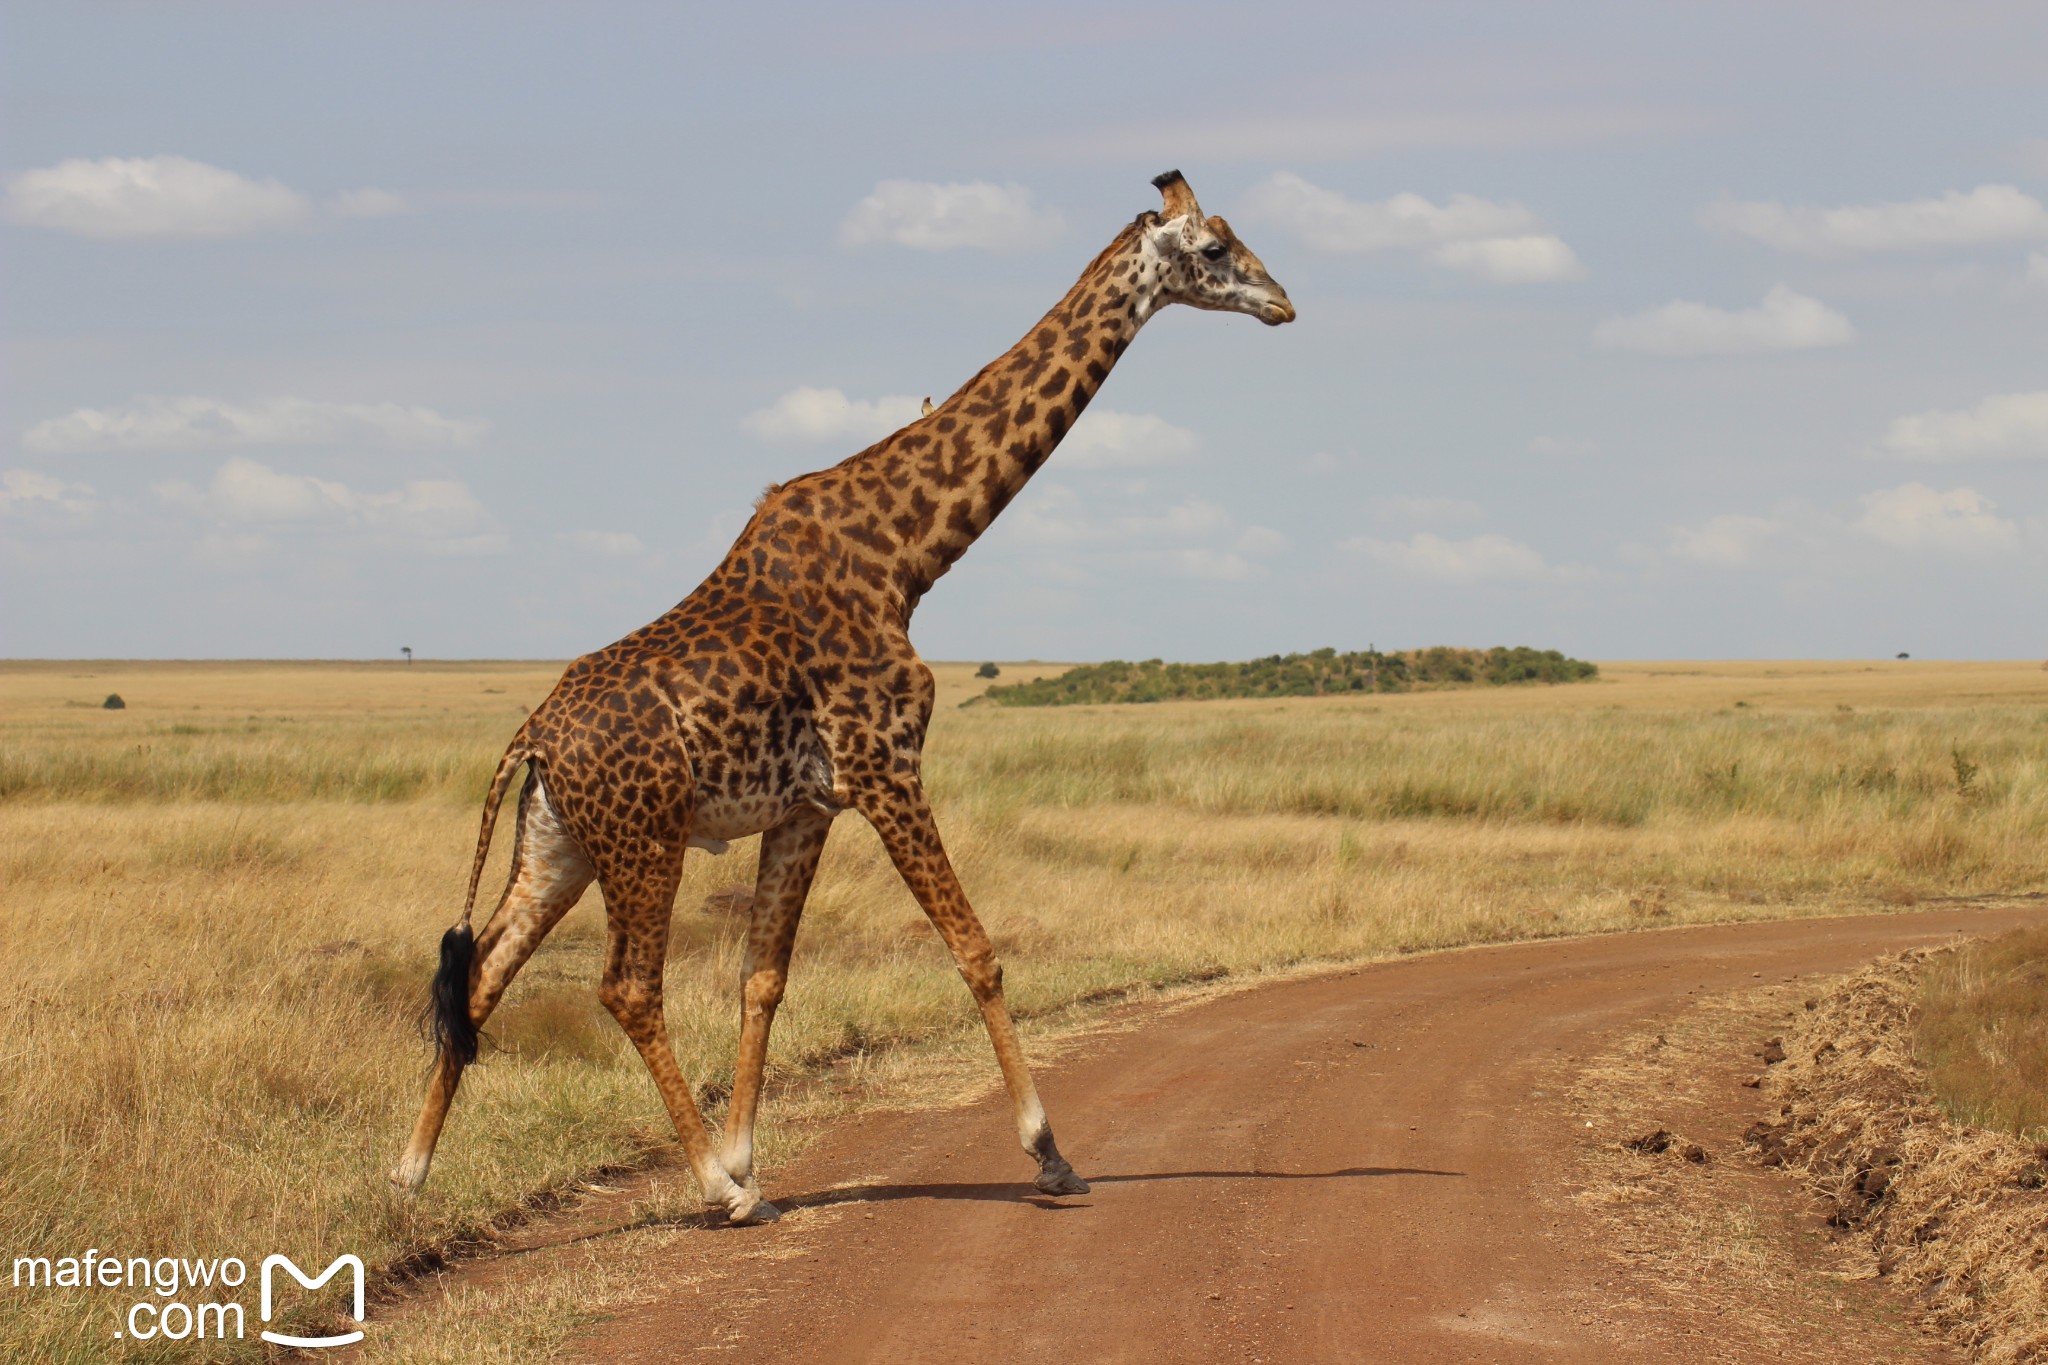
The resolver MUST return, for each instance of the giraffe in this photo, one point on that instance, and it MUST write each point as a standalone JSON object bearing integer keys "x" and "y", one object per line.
{"x": 783, "y": 692}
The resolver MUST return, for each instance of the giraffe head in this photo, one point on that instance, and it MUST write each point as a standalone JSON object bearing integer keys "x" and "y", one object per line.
{"x": 1202, "y": 263}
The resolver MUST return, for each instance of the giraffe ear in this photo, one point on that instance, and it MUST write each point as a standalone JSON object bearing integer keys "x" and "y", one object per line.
{"x": 1180, "y": 200}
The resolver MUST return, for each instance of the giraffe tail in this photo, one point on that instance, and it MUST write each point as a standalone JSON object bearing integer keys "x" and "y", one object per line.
{"x": 455, "y": 1035}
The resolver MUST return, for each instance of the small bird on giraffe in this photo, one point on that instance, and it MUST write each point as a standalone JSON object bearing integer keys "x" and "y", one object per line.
{"x": 784, "y": 692}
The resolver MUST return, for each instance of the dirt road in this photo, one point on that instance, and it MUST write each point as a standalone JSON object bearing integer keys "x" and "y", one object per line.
{"x": 1354, "y": 1167}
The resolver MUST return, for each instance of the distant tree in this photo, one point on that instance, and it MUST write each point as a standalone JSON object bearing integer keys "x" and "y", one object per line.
{"x": 1318, "y": 673}
{"x": 113, "y": 703}
{"x": 987, "y": 671}
{"x": 406, "y": 650}
{"x": 1904, "y": 655}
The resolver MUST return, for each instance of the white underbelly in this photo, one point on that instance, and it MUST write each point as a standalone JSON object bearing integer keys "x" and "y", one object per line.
{"x": 719, "y": 818}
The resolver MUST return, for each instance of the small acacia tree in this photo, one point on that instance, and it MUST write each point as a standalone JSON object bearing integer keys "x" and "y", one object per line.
{"x": 987, "y": 671}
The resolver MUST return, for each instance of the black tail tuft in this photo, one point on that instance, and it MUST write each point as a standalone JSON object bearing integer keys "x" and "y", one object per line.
{"x": 454, "y": 1034}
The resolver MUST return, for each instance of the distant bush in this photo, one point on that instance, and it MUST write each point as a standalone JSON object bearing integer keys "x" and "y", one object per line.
{"x": 1322, "y": 673}
{"x": 987, "y": 671}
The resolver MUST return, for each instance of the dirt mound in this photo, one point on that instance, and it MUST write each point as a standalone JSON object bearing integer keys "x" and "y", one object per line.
{"x": 1956, "y": 1216}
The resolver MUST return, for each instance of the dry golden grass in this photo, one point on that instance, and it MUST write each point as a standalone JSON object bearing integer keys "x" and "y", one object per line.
{"x": 1981, "y": 1030}
{"x": 221, "y": 903}
{"x": 1704, "y": 1246}
{"x": 1954, "y": 1215}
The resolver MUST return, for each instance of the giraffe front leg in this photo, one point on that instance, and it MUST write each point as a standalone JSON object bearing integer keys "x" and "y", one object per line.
{"x": 904, "y": 821}
{"x": 789, "y": 860}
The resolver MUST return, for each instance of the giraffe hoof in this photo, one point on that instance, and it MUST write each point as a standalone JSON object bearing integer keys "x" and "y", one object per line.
{"x": 1060, "y": 1181}
{"x": 758, "y": 1210}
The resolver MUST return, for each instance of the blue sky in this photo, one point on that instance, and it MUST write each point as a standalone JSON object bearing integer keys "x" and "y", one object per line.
{"x": 1637, "y": 331}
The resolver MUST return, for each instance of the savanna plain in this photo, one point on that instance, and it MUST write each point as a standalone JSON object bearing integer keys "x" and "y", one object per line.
{"x": 220, "y": 905}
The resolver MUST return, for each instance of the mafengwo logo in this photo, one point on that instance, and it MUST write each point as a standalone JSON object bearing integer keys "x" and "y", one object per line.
{"x": 188, "y": 1297}
{"x": 273, "y": 1263}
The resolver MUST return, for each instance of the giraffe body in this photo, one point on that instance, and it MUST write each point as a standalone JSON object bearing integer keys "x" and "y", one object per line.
{"x": 785, "y": 691}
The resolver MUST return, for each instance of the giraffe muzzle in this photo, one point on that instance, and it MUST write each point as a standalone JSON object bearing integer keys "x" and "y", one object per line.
{"x": 1276, "y": 311}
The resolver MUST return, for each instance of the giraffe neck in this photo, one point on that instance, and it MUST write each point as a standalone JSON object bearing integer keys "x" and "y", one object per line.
{"x": 941, "y": 481}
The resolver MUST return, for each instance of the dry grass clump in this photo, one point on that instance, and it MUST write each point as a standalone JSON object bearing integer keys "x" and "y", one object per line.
{"x": 1695, "y": 1235}
{"x": 1956, "y": 1215}
{"x": 1661, "y": 1186}
{"x": 1982, "y": 1032}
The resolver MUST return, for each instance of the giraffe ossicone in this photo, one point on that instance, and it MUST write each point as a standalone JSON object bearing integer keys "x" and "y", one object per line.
{"x": 783, "y": 692}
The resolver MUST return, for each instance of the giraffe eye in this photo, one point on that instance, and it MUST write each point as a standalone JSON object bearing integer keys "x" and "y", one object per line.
{"x": 1215, "y": 251}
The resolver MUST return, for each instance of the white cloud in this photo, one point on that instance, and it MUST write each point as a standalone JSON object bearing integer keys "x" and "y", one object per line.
{"x": 436, "y": 516}
{"x": 1048, "y": 514}
{"x": 1989, "y": 213}
{"x": 155, "y": 196}
{"x": 1784, "y": 321}
{"x": 1563, "y": 447}
{"x": 1493, "y": 240}
{"x": 1724, "y": 542}
{"x": 1810, "y": 540}
{"x": 1916, "y": 517}
{"x": 1168, "y": 542}
{"x": 1107, "y": 439}
{"x": 1395, "y": 507}
{"x": 1428, "y": 556}
{"x": 933, "y": 217}
{"x": 2005, "y": 426}
{"x": 171, "y": 196}
{"x": 613, "y": 544}
{"x": 210, "y": 424}
{"x": 1512, "y": 260}
{"x": 23, "y": 490}
{"x": 245, "y": 491}
{"x": 1329, "y": 221}
{"x": 367, "y": 203}
{"x": 440, "y": 516}
{"x": 1054, "y": 514}
{"x": 812, "y": 414}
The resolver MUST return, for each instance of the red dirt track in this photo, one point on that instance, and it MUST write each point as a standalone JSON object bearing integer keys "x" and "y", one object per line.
{"x": 1360, "y": 1166}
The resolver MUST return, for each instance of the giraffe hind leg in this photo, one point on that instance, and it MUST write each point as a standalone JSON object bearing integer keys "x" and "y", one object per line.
{"x": 639, "y": 901}
{"x": 549, "y": 875}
